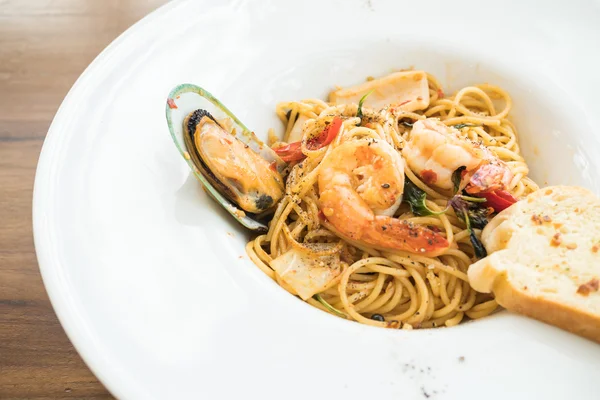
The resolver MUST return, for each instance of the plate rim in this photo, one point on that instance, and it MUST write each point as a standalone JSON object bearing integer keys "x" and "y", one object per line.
{"x": 49, "y": 269}
{"x": 47, "y": 263}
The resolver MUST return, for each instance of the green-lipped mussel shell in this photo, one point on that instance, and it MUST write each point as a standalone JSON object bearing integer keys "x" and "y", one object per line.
{"x": 182, "y": 101}
{"x": 237, "y": 171}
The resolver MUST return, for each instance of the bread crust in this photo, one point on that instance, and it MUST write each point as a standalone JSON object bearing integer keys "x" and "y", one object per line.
{"x": 563, "y": 316}
{"x": 515, "y": 257}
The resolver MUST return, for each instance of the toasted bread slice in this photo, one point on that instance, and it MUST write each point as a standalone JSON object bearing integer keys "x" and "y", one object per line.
{"x": 544, "y": 259}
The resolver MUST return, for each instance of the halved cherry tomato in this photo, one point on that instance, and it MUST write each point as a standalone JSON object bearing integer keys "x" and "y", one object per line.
{"x": 326, "y": 136}
{"x": 290, "y": 152}
{"x": 499, "y": 200}
{"x": 293, "y": 151}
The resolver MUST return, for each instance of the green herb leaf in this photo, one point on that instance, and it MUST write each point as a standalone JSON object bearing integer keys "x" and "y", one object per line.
{"x": 478, "y": 215}
{"x": 415, "y": 198}
{"x": 475, "y": 216}
{"x": 328, "y": 306}
{"x": 460, "y": 126}
{"x": 480, "y": 251}
{"x": 359, "y": 113}
{"x": 457, "y": 177}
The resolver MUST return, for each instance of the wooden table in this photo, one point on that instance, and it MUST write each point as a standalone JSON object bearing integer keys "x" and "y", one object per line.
{"x": 44, "y": 47}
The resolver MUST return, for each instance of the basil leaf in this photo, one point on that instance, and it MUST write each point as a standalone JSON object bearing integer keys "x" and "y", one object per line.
{"x": 476, "y": 213}
{"x": 480, "y": 251}
{"x": 457, "y": 177}
{"x": 460, "y": 207}
{"x": 475, "y": 216}
{"x": 415, "y": 198}
{"x": 359, "y": 113}
{"x": 478, "y": 217}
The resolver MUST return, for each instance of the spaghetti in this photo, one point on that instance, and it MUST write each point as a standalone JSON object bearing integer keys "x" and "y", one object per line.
{"x": 376, "y": 285}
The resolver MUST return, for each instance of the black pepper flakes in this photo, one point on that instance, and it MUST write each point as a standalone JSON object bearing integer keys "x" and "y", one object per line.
{"x": 385, "y": 186}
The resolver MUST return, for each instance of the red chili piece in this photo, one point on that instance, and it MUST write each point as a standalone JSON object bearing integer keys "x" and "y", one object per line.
{"x": 293, "y": 151}
{"x": 290, "y": 152}
{"x": 326, "y": 136}
{"x": 499, "y": 200}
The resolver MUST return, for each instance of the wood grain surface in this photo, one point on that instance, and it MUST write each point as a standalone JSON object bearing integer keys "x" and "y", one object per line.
{"x": 44, "y": 47}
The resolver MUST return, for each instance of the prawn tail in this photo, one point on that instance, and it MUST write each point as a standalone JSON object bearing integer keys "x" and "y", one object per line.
{"x": 489, "y": 177}
{"x": 406, "y": 236}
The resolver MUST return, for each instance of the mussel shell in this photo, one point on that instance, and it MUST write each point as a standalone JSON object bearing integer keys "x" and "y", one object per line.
{"x": 258, "y": 201}
{"x": 182, "y": 101}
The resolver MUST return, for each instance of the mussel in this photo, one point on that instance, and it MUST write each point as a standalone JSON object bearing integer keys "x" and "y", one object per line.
{"x": 240, "y": 172}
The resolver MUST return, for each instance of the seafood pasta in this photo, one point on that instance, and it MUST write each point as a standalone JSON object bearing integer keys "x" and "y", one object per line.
{"x": 388, "y": 188}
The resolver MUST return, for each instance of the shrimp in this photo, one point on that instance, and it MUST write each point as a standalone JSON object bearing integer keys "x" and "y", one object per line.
{"x": 434, "y": 151}
{"x": 360, "y": 188}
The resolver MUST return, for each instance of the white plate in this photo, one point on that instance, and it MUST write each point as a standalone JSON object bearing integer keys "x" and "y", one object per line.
{"x": 148, "y": 276}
